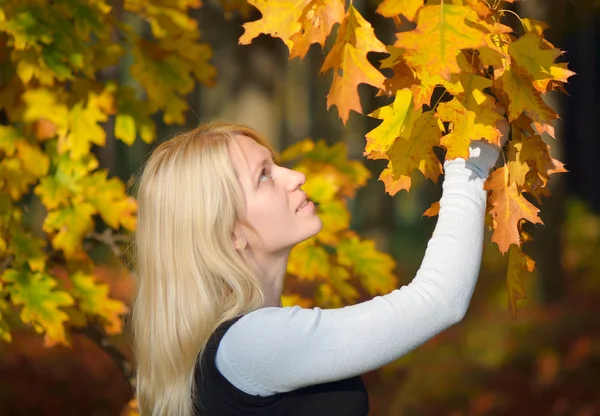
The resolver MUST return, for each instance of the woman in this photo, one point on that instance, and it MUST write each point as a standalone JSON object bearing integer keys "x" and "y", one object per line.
{"x": 217, "y": 221}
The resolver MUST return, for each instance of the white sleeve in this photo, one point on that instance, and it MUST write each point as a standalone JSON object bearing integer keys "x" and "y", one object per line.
{"x": 274, "y": 350}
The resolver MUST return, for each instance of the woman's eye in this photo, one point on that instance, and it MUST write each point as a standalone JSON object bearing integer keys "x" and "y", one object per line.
{"x": 265, "y": 175}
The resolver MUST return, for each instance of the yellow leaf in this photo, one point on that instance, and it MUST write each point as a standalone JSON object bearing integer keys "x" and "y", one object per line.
{"x": 348, "y": 59}
{"x": 535, "y": 26}
{"x": 84, "y": 128}
{"x": 13, "y": 178}
{"x": 321, "y": 184}
{"x": 309, "y": 261}
{"x": 38, "y": 102}
{"x": 509, "y": 208}
{"x": 70, "y": 225}
{"x": 110, "y": 199}
{"x": 416, "y": 151}
{"x": 477, "y": 122}
{"x": 280, "y": 19}
{"x": 522, "y": 96}
{"x": 34, "y": 291}
{"x": 407, "y": 8}
{"x": 374, "y": 268}
{"x": 298, "y": 149}
{"x": 8, "y": 139}
{"x": 52, "y": 193}
{"x": 26, "y": 248}
{"x": 518, "y": 262}
{"x": 93, "y": 299}
{"x": 339, "y": 282}
{"x": 442, "y": 32}
{"x": 335, "y": 217}
{"x": 517, "y": 164}
{"x": 296, "y": 300}
{"x": 398, "y": 120}
{"x": 316, "y": 22}
{"x": 393, "y": 186}
{"x": 536, "y": 57}
{"x": 125, "y": 128}
{"x": 33, "y": 160}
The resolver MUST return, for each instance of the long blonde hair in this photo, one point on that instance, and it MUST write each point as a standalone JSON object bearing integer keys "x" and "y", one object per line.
{"x": 189, "y": 276}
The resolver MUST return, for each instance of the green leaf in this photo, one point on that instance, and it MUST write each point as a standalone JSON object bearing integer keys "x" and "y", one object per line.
{"x": 93, "y": 299}
{"x": 34, "y": 292}
{"x": 374, "y": 268}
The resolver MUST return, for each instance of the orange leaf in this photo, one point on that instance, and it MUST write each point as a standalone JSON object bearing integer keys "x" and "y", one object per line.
{"x": 477, "y": 122}
{"x": 523, "y": 97}
{"x": 509, "y": 207}
{"x": 407, "y": 8}
{"x": 416, "y": 151}
{"x": 280, "y": 19}
{"x": 348, "y": 59}
{"x": 433, "y": 210}
{"x": 442, "y": 32}
{"x": 316, "y": 22}
{"x": 518, "y": 262}
{"x": 536, "y": 57}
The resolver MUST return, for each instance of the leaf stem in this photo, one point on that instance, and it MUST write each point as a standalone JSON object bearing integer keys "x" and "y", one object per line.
{"x": 518, "y": 17}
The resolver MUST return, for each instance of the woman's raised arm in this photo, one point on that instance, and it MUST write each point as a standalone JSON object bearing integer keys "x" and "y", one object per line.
{"x": 275, "y": 350}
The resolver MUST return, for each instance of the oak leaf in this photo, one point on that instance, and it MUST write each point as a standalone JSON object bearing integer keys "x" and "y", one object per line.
{"x": 93, "y": 299}
{"x": 348, "y": 59}
{"x": 523, "y": 97}
{"x": 280, "y": 18}
{"x": 40, "y": 301}
{"x": 316, "y": 22}
{"x": 309, "y": 261}
{"x": 518, "y": 262}
{"x": 508, "y": 209}
{"x": 374, "y": 268}
{"x": 474, "y": 123}
{"x": 416, "y": 151}
{"x": 534, "y": 56}
{"x": 442, "y": 32}
{"x": 407, "y": 8}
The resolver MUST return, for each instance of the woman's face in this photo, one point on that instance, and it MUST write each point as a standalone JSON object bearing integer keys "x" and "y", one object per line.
{"x": 272, "y": 197}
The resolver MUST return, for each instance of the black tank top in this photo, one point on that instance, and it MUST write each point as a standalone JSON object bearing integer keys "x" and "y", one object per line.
{"x": 215, "y": 396}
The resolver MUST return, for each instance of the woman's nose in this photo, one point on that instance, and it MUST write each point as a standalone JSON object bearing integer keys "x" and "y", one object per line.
{"x": 296, "y": 179}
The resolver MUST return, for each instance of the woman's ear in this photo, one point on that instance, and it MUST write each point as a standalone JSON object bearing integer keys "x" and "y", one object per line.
{"x": 239, "y": 242}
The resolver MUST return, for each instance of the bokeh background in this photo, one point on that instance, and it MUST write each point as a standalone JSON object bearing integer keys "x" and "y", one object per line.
{"x": 546, "y": 362}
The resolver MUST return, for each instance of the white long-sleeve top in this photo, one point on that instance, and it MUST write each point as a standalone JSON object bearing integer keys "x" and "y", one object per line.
{"x": 275, "y": 350}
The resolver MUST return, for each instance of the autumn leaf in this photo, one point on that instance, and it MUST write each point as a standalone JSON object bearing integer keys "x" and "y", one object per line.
{"x": 509, "y": 208}
{"x": 280, "y": 19}
{"x": 433, "y": 210}
{"x": 316, "y": 22}
{"x": 40, "y": 302}
{"x": 535, "y": 56}
{"x": 518, "y": 262}
{"x": 309, "y": 261}
{"x": 93, "y": 299}
{"x": 398, "y": 120}
{"x": 338, "y": 280}
{"x": 474, "y": 123}
{"x": 109, "y": 198}
{"x": 442, "y": 31}
{"x": 416, "y": 151}
{"x": 407, "y": 8}
{"x": 335, "y": 217}
{"x": 374, "y": 268}
{"x": 28, "y": 249}
{"x": 69, "y": 226}
{"x": 348, "y": 59}
{"x": 523, "y": 97}
{"x": 296, "y": 300}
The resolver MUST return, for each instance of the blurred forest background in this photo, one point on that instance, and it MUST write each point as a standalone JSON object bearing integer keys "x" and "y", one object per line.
{"x": 546, "y": 362}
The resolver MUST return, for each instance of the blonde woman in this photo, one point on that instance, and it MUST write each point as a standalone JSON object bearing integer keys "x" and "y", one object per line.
{"x": 217, "y": 220}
